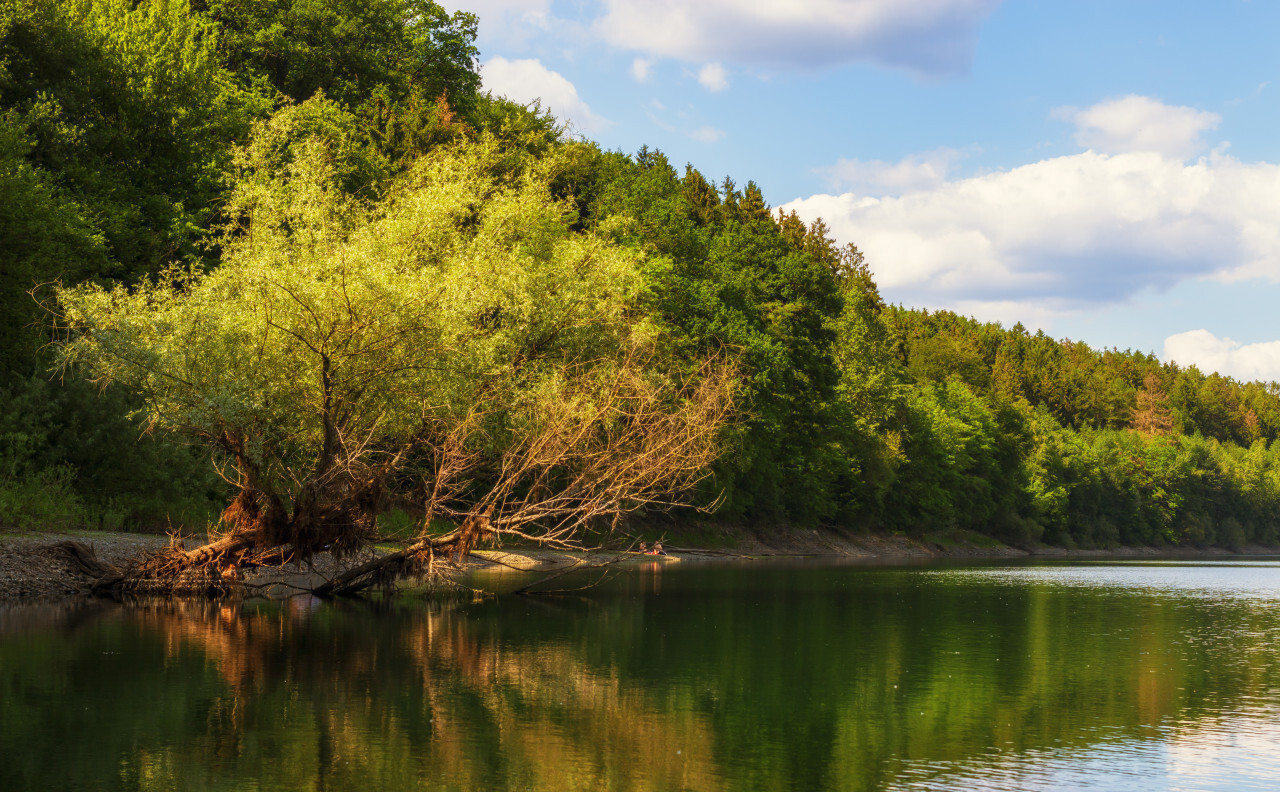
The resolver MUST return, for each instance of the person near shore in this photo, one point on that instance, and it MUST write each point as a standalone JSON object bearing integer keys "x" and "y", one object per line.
{"x": 644, "y": 548}
{"x": 657, "y": 549}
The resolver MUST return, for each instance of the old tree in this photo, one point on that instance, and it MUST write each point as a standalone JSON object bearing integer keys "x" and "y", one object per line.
{"x": 453, "y": 349}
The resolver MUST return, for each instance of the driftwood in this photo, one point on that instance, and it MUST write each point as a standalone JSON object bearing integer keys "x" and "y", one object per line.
{"x": 83, "y": 559}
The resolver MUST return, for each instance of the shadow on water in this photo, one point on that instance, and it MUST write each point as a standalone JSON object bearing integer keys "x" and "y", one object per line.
{"x": 756, "y": 677}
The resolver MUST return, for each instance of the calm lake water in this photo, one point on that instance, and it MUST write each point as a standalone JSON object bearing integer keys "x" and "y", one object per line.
{"x": 759, "y": 676}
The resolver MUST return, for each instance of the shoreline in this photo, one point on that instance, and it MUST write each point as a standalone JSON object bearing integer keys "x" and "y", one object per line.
{"x": 34, "y": 569}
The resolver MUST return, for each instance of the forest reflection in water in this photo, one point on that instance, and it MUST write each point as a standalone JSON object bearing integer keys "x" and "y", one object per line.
{"x": 754, "y": 677}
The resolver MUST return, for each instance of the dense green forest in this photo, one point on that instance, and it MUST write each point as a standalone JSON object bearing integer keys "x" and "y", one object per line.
{"x": 140, "y": 139}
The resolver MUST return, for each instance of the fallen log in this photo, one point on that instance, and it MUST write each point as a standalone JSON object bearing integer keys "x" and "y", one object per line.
{"x": 526, "y": 588}
{"x": 415, "y": 559}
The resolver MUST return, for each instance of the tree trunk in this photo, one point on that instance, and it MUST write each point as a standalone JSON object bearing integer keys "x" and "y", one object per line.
{"x": 387, "y": 567}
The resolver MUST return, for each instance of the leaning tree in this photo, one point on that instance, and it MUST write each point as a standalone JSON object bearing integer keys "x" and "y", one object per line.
{"x": 454, "y": 349}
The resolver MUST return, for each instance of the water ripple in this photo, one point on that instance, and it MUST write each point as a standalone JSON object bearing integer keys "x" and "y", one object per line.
{"x": 1230, "y": 753}
{"x": 1257, "y": 581}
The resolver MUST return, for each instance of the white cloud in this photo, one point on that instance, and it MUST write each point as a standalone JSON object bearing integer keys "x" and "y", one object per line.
{"x": 876, "y": 177}
{"x": 706, "y": 134}
{"x": 702, "y": 134}
{"x": 528, "y": 80}
{"x": 926, "y": 36}
{"x": 641, "y": 69}
{"x": 1140, "y": 123}
{"x": 713, "y": 77}
{"x": 1061, "y": 235}
{"x": 512, "y": 22}
{"x": 487, "y": 8}
{"x": 1209, "y": 353}
{"x": 1065, "y": 233}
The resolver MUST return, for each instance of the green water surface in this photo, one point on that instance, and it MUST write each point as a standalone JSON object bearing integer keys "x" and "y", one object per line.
{"x": 753, "y": 676}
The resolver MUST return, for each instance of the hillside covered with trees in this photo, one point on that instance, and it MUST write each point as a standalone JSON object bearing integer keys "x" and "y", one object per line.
{"x": 188, "y": 188}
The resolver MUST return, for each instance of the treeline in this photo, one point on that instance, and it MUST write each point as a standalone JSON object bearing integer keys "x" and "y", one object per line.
{"x": 124, "y": 128}
{"x": 1028, "y": 438}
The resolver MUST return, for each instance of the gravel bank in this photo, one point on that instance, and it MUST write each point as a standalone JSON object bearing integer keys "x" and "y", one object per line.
{"x": 31, "y": 566}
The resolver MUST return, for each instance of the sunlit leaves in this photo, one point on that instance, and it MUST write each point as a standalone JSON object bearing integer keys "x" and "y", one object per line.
{"x": 464, "y": 284}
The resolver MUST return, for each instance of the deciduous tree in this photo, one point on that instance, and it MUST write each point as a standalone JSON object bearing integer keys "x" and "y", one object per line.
{"x": 455, "y": 349}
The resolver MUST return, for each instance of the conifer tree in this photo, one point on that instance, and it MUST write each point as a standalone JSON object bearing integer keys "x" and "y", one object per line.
{"x": 700, "y": 195}
{"x": 752, "y": 207}
{"x": 1151, "y": 413}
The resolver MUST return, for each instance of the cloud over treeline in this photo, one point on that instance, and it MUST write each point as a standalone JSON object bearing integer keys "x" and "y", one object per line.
{"x": 527, "y": 80}
{"x": 1209, "y": 353}
{"x": 1067, "y": 232}
{"x": 934, "y": 37}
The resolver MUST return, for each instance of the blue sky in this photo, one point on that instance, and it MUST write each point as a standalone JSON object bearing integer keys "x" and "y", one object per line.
{"x": 1106, "y": 171}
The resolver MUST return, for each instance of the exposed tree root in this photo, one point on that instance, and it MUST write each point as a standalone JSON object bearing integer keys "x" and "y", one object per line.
{"x": 212, "y": 569}
{"x": 262, "y": 534}
{"x": 84, "y": 560}
{"x": 601, "y": 448}
{"x": 216, "y": 568}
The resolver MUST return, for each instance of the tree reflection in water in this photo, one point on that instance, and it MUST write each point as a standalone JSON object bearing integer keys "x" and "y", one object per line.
{"x": 790, "y": 682}
{"x": 215, "y": 695}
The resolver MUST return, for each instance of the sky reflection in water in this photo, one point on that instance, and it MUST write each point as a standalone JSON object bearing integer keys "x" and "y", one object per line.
{"x": 1231, "y": 750}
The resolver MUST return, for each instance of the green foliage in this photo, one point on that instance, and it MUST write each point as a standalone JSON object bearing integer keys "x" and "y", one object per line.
{"x": 420, "y": 347}
{"x": 115, "y": 123}
{"x": 870, "y": 407}
{"x": 118, "y": 121}
{"x": 358, "y": 52}
{"x": 130, "y": 113}
{"x": 406, "y": 68}
{"x": 70, "y": 444}
{"x": 44, "y": 236}
{"x": 40, "y": 501}
{"x": 723, "y": 274}
{"x": 963, "y": 465}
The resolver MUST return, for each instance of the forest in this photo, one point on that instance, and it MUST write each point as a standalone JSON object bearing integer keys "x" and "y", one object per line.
{"x": 201, "y": 198}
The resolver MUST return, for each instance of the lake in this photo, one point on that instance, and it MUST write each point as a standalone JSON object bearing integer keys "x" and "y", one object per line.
{"x": 767, "y": 675}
